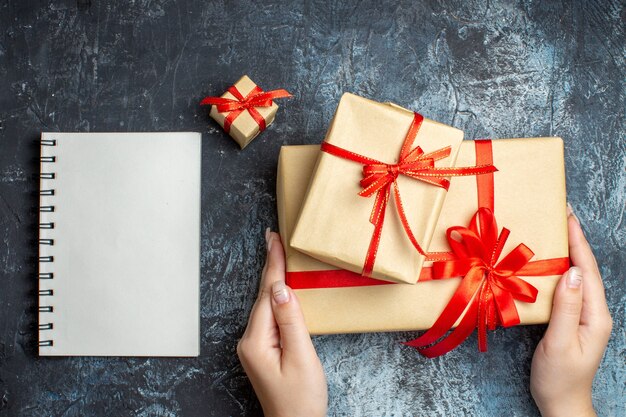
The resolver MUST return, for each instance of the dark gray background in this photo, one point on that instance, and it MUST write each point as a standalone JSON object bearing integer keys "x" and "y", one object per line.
{"x": 493, "y": 68}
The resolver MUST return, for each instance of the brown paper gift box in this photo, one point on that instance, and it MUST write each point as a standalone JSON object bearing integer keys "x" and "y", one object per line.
{"x": 244, "y": 128}
{"x": 529, "y": 200}
{"x": 334, "y": 222}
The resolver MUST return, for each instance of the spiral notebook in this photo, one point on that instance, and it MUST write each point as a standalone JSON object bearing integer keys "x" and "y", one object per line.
{"x": 119, "y": 244}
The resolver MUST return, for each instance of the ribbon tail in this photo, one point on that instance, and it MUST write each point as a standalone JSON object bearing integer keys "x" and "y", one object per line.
{"x": 485, "y": 310}
{"x": 405, "y": 221}
{"x": 507, "y": 311}
{"x": 378, "y": 219}
{"x": 219, "y": 102}
{"x": 438, "y": 154}
{"x": 373, "y": 184}
{"x": 433, "y": 180}
{"x": 453, "y": 310}
{"x": 456, "y": 337}
{"x": 268, "y": 96}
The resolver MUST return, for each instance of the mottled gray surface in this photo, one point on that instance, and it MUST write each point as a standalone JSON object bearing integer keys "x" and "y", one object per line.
{"x": 492, "y": 68}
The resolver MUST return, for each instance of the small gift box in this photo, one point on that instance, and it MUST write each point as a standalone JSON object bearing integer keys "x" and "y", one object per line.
{"x": 244, "y": 110}
{"x": 339, "y": 301}
{"x": 399, "y": 160}
{"x": 526, "y": 195}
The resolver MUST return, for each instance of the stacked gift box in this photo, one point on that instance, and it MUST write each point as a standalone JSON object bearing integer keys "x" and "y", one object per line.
{"x": 396, "y": 223}
{"x": 325, "y": 225}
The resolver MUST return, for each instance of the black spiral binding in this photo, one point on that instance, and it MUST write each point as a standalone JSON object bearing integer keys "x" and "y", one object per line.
{"x": 47, "y": 242}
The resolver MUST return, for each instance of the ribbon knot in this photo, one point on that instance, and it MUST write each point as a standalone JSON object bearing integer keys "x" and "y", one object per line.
{"x": 417, "y": 165}
{"x": 245, "y": 105}
{"x": 234, "y": 107}
{"x": 393, "y": 170}
{"x": 380, "y": 179}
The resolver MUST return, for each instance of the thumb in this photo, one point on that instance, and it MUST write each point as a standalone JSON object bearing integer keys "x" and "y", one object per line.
{"x": 566, "y": 307}
{"x": 294, "y": 336}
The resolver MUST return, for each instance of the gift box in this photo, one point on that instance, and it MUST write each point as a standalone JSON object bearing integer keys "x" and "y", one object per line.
{"x": 244, "y": 110}
{"x": 393, "y": 156}
{"x": 369, "y": 305}
{"x": 528, "y": 199}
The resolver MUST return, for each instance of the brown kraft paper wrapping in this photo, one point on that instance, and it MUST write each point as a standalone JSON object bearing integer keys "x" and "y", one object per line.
{"x": 334, "y": 224}
{"x": 529, "y": 200}
{"x": 244, "y": 128}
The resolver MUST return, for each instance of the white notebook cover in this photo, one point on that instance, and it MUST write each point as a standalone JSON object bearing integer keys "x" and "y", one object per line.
{"x": 124, "y": 275}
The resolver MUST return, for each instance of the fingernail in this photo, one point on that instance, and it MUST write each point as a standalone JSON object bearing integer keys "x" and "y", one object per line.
{"x": 574, "y": 277}
{"x": 570, "y": 212}
{"x": 268, "y": 239}
{"x": 280, "y": 293}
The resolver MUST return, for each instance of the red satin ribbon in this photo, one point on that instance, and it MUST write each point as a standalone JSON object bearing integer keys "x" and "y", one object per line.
{"x": 484, "y": 190}
{"x": 489, "y": 286}
{"x": 331, "y": 278}
{"x": 255, "y": 98}
{"x": 380, "y": 178}
{"x": 484, "y": 183}
{"x": 339, "y": 278}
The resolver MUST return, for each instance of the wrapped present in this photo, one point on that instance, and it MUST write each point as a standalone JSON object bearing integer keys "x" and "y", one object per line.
{"x": 244, "y": 110}
{"x": 377, "y": 158}
{"x": 527, "y": 195}
{"x": 339, "y": 301}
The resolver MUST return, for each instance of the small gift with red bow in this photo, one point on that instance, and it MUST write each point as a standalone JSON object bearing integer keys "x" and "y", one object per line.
{"x": 377, "y": 190}
{"x": 335, "y": 300}
{"x": 245, "y": 110}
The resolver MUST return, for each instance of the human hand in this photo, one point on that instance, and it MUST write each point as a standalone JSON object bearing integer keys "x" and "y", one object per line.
{"x": 276, "y": 350}
{"x": 568, "y": 356}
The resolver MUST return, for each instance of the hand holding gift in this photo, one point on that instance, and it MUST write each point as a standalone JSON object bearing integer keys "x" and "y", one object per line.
{"x": 563, "y": 367}
{"x": 568, "y": 356}
{"x": 276, "y": 350}
{"x": 476, "y": 275}
{"x": 528, "y": 196}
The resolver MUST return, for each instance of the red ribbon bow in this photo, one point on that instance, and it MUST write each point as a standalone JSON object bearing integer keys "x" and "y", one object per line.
{"x": 255, "y": 98}
{"x": 489, "y": 285}
{"x": 379, "y": 178}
